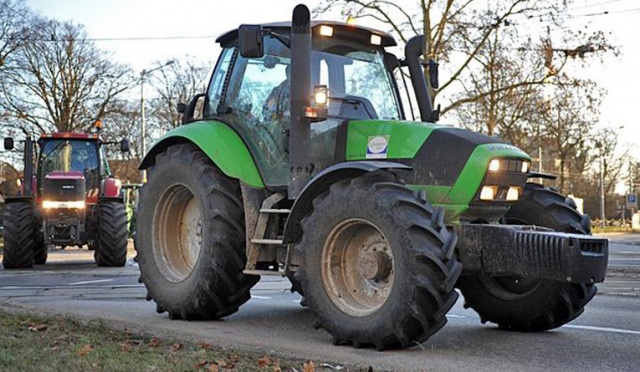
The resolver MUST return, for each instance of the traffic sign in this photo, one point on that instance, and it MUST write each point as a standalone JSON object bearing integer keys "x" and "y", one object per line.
{"x": 632, "y": 201}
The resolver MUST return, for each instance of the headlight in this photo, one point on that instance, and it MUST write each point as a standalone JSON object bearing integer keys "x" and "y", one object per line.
{"x": 494, "y": 165}
{"x": 499, "y": 193}
{"x": 50, "y": 204}
{"x": 513, "y": 194}
{"x": 488, "y": 192}
{"x": 509, "y": 165}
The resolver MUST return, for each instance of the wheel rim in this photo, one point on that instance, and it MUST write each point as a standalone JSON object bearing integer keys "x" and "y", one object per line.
{"x": 510, "y": 287}
{"x": 357, "y": 267}
{"x": 177, "y": 233}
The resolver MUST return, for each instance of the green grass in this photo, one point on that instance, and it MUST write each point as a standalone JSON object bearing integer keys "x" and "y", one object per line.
{"x": 47, "y": 343}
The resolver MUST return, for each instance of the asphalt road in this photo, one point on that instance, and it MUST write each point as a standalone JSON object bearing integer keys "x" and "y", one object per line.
{"x": 605, "y": 338}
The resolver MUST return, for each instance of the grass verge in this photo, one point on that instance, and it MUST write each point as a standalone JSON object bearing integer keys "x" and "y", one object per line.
{"x": 47, "y": 343}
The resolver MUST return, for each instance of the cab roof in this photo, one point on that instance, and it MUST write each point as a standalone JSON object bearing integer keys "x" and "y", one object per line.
{"x": 70, "y": 135}
{"x": 341, "y": 31}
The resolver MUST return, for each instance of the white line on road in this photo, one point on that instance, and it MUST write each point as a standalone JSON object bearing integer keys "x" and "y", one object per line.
{"x": 261, "y": 297}
{"x": 603, "y": 329}
{"x": 571, "y": 326}
{"x": 457, "y": 316}
{"x": 92, "y": 281}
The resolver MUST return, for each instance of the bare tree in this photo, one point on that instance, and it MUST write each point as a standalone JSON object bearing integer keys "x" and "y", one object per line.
{"x": 13, "y": 14}
{"x": 59, "y": 80}
{"x": 173, "y": 84}
{"x": 460, "y": 33}
{"x": 567, "y": 121}
{"x": 506, "y": 109}
{"x": 606, "y": 158}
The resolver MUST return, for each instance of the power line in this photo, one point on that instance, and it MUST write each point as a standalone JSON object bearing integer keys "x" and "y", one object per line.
{"x": 143, "y": 38}
{"x": 597, "y": 4}
{"x": 98, "y": 39}
{"x": 606, "y": 12}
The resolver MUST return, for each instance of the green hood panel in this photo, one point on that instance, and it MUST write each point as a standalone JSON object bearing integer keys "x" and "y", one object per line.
{"x": 474, "y": 171}
{"x": 221, "y": 144}
{"x": 366, "y": 139}
{"x": 448, "y": 163}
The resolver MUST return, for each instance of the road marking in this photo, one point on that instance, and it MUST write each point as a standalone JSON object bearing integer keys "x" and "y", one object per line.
{"x": 260, "y": 297}
{"x": 92, "y": 281}
{"x": 457, "y": 316}
{"x": 585, "y": 328}
{"x": 603, "y": 329}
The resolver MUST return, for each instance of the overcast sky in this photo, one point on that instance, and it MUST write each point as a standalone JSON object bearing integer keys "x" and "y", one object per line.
{"x": 189, "y": 27}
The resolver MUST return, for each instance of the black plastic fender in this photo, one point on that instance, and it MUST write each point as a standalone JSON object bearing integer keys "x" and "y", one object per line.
{"x": 321, "y": 182}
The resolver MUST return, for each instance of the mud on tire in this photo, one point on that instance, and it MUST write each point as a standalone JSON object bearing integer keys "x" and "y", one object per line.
{"x": 527, "y": 304}
{"x": 191, "y": 239}
{"x": 378, "y": 266}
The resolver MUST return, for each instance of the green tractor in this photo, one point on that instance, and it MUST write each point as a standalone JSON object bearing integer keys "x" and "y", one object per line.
{"x": 302, "y": 165}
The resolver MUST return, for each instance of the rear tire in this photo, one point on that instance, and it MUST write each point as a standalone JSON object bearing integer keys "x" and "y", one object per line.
{"x": 191, "y": 237}
{"x": 378, "y": 265}
{"x": 112, "y": 234}
{"x": 19, "y": 235}
{"x": 530, "y": 304}
{"x": 40, "y": 251}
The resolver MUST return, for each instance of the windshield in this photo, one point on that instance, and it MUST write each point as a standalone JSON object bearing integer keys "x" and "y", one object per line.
{"x": 70, "y": 155}
{"x": 257, "y": 99}
{"x": 355, "y": 75}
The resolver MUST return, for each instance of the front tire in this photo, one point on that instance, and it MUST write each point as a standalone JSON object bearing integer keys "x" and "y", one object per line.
{"x": 112, "y": 234}
{"x": 19, "y": 235}
{"x": 530, "y": 304}
{"x": 378, "y": 265}
{"x": 191, "y": 238}
{"x": 40, "y": 250}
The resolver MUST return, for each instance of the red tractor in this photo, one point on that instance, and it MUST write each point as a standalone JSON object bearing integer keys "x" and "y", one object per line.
{"x": 70, "y": 198}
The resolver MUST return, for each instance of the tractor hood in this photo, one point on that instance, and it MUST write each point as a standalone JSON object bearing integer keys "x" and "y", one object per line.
{"x": 65, "y": 175}
{"x": 449, "y": 164}
{"x": 63, "y": 186}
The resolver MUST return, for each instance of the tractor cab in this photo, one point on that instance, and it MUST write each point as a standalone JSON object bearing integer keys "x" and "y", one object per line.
{"x": 72, "y": 198}
{"x": 71, "y": 156}
{"x": 349, "y": 71}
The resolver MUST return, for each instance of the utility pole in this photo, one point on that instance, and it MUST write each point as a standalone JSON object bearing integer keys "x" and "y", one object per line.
{"x": 631, "y": 177}
{"x": 602, "y": 214}
{"x": 143, "y": 149}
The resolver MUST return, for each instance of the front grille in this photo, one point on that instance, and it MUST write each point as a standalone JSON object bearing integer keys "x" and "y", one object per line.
{"x": 63, "y": 189}
{"x": 592, "y": 247}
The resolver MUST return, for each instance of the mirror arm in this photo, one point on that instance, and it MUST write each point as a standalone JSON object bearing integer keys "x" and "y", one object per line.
{"x": 281, "y": 38}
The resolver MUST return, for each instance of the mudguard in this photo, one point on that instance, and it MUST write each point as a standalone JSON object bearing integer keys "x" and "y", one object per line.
{"x": 111, "y": 188}
{"x": 219, "y": 142}
{"x": 321, "y": 182}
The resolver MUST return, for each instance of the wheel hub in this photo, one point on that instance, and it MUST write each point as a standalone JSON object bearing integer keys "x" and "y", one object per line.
{"x": 374, "y": 265}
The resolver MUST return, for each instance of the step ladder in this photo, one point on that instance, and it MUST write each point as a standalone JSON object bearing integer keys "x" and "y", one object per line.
{"x": 258, "y": 240}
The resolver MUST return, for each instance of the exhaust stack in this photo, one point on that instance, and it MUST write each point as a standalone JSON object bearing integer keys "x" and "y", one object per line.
{"x": 299, "y": 126}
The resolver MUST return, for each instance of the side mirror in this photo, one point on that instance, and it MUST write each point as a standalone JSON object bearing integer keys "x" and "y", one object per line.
{"x": 182, "y": 107}
{"x": 250, "y": 41}
{"x": 188, "y": 115}
{"x": 433, "y": 74}
{"x": 392, "y": 61}
{"x": 124, "y": 145}
{"x": 8, "y": 143}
